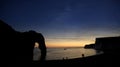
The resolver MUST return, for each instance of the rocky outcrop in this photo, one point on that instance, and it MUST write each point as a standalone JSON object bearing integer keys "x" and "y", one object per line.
{"x": 108, "y": 43}
{"x": 90, "y": 46}
{"x": 18, "y": 46}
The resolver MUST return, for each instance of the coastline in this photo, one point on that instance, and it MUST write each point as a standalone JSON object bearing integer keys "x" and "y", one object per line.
{"x": 102, "y": 60}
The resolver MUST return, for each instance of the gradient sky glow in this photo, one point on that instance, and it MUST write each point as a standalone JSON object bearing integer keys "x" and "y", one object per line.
{"x": 64, "y": 22}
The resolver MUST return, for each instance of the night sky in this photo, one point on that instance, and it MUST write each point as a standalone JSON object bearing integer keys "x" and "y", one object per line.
{"x": 64, "y": 22}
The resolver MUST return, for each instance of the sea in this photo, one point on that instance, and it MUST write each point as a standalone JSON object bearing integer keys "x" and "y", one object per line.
{"x": 66, "y": 53}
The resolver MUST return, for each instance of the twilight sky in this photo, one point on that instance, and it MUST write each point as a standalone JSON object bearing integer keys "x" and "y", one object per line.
{"x": 64, "y": 22}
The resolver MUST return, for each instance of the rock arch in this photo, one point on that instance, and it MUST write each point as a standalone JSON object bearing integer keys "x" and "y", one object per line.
{"x": 31, "y": 37}
{"x": 18, "y": 46}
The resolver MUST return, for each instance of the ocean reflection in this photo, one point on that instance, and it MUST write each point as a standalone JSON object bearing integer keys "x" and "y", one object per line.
{"x": 65, "y": 53}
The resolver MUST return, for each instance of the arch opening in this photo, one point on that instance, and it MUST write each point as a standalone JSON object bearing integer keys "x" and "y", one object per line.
{"x": 36, "y": 52}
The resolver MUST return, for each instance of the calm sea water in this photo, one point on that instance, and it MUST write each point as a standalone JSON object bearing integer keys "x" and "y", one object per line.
{"x": 65, "y": 53}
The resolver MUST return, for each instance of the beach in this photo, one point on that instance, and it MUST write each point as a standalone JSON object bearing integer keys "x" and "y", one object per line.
{"x": 102, "y": 60}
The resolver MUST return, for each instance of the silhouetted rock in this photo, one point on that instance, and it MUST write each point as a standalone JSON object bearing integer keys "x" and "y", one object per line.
{"x": 90, "y": 46}
{"x": 19, "y": 45}
{"x": 108, "y": 43}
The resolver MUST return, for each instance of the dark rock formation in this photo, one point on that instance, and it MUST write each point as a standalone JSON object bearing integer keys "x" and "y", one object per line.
{"x": 108, "y": 43}
{"x": 18, "y": 46}
{"x": 90, "y": 46}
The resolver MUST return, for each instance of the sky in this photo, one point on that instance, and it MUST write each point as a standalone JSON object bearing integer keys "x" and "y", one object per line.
{"x": 64, "y": 23}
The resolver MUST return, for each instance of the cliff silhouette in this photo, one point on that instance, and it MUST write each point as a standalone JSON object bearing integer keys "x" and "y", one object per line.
{"x": 18, "y": 46}
{"x": 108, "y": 43}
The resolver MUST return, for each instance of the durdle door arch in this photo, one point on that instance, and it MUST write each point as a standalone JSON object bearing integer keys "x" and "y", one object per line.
{"x": 18, "y": 46}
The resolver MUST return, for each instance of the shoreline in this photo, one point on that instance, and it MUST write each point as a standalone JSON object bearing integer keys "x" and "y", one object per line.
{"x": 97, "y": 60}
